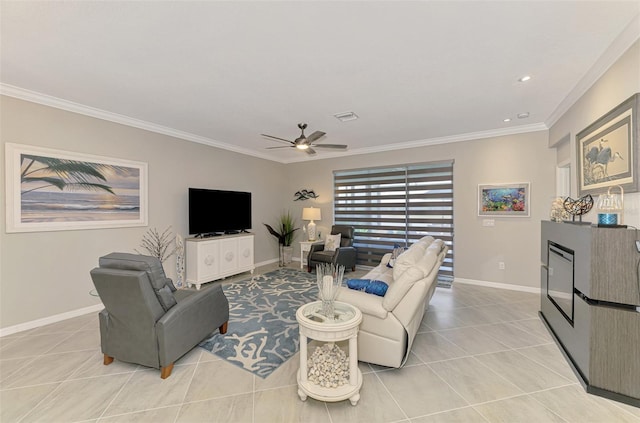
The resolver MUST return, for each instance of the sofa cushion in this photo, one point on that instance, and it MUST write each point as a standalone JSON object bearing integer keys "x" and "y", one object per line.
{"x": 411, "y": 256}
{"x": 366, "y": 303}
{"x": 400, "y": 286}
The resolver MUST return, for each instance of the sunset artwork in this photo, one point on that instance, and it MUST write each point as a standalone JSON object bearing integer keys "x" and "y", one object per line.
{"x": 58, "y": 191}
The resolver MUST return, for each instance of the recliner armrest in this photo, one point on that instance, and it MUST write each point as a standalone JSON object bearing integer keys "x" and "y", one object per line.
{"x": 367, "y": 303}
{"x": 190, "y": 321}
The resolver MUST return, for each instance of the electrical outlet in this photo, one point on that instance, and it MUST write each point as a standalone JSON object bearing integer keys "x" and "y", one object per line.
{"x": 501, "y": 265}
{"x": 638, "y": 245}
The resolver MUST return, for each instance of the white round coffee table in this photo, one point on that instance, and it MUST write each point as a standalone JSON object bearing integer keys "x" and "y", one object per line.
{"x": 344, "y": 326}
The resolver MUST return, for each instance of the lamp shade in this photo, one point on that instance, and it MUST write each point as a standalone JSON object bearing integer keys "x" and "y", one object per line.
{"x": 311, "y": 213}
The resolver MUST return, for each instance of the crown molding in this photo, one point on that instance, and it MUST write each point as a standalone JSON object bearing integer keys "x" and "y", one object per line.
{"x": 620, "y": 45}
{"x": 522, "y": 129}
{"x": 35, "y": 97}
{"x": 70, "y": 106}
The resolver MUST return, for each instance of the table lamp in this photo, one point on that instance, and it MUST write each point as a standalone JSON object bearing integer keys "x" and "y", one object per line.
{"x": 311, "y": 213}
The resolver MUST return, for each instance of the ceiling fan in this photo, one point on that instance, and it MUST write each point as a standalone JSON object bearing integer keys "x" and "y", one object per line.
{"x": 305, "y": 143}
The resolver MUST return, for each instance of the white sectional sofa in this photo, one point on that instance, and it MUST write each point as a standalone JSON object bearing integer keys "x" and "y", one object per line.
{"x": 390, "y": 323}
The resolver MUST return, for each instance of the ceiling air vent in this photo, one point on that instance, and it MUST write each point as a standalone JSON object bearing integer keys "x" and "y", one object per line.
{"x": 346, "y": 116}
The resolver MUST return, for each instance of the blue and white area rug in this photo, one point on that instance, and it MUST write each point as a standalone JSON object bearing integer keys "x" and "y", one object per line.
{"x": 263, "y": 331}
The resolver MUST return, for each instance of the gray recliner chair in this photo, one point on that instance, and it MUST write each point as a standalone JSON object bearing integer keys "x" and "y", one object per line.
{"x": 345, "y": 255}
{"x": 146, "y": 320}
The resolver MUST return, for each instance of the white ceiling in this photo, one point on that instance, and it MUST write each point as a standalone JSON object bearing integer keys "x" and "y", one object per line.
{"x": 222, "y": 73}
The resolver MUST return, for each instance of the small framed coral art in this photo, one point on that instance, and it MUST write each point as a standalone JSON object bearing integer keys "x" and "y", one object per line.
{"x": 506, "y": 200}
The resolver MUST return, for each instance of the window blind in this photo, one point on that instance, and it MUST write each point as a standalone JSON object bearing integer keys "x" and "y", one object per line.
{"x": 396, "y": 205}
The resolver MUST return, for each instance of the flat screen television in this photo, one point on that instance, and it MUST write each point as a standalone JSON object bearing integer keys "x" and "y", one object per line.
{"x": 216, "y": 212}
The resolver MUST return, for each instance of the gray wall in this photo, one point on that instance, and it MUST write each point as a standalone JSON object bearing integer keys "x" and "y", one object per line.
{"x": 617, "y": 84}
{"x": 47, "y": 273}
{"x": 478, "y": 249}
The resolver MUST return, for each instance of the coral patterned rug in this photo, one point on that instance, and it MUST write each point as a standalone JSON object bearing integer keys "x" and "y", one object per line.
{"x": 263, "y": 331}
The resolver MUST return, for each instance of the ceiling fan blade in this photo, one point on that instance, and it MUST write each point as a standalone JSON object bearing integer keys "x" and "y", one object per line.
{"x": 280, "y": 146}
{"x": 276, "y": 138}
{"x": 334, "y": 146}
{"x": 318, "y": 134}
{"x": 310, "y": 151}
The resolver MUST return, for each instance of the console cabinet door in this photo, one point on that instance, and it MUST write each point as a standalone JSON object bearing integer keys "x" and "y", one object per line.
{"x": 206, "y": 261}
{"x": 228, "y": 255}
{"x": 245, "y": 252}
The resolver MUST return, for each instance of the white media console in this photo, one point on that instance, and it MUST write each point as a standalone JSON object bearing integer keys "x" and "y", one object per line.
{"x": 209, "y": 259}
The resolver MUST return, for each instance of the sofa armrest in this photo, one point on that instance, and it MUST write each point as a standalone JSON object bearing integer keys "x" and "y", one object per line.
{"x": 367, "y": 303}
{"x": 345, "y": 255}
{"x": 190, "y": 321}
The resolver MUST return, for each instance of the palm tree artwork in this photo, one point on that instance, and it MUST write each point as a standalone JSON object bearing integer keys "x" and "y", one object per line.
{"x": 62, "y": 174}
{"x": 56, "y": 189}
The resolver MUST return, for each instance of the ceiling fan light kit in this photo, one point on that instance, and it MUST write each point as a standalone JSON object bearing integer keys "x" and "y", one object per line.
{"x": 307, "y": 144}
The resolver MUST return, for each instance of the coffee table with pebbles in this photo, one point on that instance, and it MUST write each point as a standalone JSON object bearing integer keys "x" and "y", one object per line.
{"x": 329, "y": 374}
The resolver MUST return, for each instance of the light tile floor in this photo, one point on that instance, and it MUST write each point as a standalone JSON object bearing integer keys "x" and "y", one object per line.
{"x": 482, "y": 355}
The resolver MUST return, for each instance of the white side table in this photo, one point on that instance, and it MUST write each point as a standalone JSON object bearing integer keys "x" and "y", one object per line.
{"x": 315, "y": 326}
{"x": 305, "y": 247}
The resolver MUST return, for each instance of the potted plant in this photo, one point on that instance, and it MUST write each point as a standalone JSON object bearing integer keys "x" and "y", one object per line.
{"x": 284, "y": 234}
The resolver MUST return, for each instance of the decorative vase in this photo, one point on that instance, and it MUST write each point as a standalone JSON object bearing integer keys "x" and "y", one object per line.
{"x": 329, "y": 280}
{"x": 179, "y": 261}
{"x": 611, "y": 207}
{"x": 287, "y": 254}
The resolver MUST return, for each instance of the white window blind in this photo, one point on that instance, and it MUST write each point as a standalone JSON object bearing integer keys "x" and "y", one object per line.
{"x": 396, "y": 205}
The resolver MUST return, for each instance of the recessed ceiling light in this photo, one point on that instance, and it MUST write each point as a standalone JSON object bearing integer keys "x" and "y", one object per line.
{"x": 346, "y": 116}
{"x": 524, "y": 78}
{"x": 506, "y": 120}
{"x": 523, "y": 115}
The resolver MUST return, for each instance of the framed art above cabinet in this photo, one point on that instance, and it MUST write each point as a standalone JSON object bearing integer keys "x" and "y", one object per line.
{"x": 607, "y": 150}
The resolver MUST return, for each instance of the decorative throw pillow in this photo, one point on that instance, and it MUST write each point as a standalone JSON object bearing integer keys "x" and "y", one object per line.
{"x": 358, "y": 284}
{"x": 397, "y": 250}
{"x": 332, "y": 242}
{"x": 166, "y": 298}
{"x": 378, "y": 288}
{"x": 369, "y": 286}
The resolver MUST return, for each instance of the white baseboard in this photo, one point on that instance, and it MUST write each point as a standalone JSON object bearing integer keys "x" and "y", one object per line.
{"x": 51, "y": 319}
{"x": 82, "y": 311}
{"x": 266, "y": 262}
{"x": 498, "y": 285}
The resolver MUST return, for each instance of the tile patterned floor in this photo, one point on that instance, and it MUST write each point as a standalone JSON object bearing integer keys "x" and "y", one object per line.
{"x": 482, "y": 355}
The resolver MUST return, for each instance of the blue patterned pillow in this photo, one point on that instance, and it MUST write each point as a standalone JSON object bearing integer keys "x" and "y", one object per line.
{"x": 378, "y": 288}
{"x": 358, "y": 284}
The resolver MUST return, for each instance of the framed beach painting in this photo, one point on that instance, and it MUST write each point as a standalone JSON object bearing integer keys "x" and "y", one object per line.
{"x": 607, "y": 150}
{"x": 506, "y": 200}
{"x": 52, "y": 190}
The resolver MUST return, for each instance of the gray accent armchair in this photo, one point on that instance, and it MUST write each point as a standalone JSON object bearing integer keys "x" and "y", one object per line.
{"x": 345, "y": 255}
{"x": 146, "y": 320}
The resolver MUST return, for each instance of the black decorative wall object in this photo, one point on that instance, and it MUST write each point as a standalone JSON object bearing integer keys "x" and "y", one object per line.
{"x": 305, "y": 194}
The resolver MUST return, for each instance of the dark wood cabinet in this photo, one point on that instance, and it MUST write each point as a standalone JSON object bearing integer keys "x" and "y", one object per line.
{"x": 601, "y": 338}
